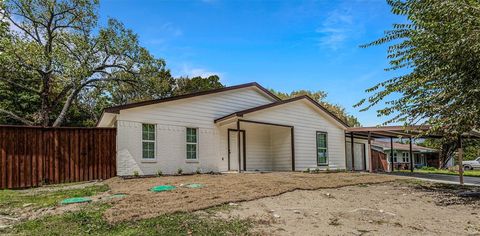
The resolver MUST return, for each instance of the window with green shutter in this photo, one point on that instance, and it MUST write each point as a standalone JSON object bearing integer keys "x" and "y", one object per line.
{"x": 192, "y": 144}
{"x": 148, "y": 141}
{"x": 322, "y": 150}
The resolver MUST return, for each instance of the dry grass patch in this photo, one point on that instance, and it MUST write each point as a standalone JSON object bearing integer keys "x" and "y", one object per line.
{"x": 217, "y": 190}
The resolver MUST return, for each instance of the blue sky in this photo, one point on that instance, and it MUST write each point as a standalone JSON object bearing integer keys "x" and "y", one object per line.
{"x": 284, "y": 45}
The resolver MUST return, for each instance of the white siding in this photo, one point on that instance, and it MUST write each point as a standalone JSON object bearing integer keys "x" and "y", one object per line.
{"x": 358, "y": 154}
{"x": 171, "y": 119}
{"x": 307, "y": 119}
{"x": 258, "y": 147}
{"x": 268, "y": 147}
{"x": 281, "y": 149}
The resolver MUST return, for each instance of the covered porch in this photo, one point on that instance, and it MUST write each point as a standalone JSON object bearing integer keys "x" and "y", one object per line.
{"x": 258, "y": 146}
{"x": 408, "y": 132}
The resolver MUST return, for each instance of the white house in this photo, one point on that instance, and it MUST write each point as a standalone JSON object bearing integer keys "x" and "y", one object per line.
{"x": 422, "y": 156}
{"x": 237, "y": 128}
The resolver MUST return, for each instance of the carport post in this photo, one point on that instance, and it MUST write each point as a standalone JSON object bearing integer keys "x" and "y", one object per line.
{"x": 292, "y": 143}
{"x": 370, "y": 167}
{"x": 391, "y": 153}
{"x": 411, "y": 156}
{"x": 238, "y": 147}
{"x": 460, "y": 160}
{"x": 352, "y": 151}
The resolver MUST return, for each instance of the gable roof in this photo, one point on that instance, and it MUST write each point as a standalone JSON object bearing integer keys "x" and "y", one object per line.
{"x": 402, "y": 147}
{"x": 116, "y": 109}
{"x": 274, "y": 104}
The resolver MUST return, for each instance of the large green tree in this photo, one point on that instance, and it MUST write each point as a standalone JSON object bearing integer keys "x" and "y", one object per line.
{"x": 186, "y": 85}
{"x": 437, "y": 52}
{"x": 320, "y": 97}
{"x": 55, "y": 51}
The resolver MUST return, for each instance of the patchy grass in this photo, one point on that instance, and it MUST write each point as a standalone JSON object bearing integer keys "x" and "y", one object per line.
{"x": 221, "y": 208}
{"x": 89, "y": 221}
{"x": 39, "y": 199}
{"x": 473, "y": 173}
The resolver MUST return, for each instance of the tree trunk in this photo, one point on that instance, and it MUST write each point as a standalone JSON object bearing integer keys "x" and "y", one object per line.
{"x": 45, "y": 107}
{"x": 66, "y": 106}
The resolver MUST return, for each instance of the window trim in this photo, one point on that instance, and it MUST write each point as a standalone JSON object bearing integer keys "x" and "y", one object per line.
{"x": 406, "y": 157}
{"x": 187, "y": 143}
{"x": 326, "y": 148}
{"x": 154, "y": 141}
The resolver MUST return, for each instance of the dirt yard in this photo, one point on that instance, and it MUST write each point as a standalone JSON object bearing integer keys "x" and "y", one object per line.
{"x": 398, "y": 208}
{"x": 264, "y": 204}
{"x": 218, "y": 189}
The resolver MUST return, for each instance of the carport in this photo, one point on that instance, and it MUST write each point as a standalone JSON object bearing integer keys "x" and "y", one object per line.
{"x": 410, "y": 132}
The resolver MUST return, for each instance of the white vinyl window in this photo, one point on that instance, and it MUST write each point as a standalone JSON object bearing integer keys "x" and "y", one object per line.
{"x": 192, "y": 144}
{"x": 405, "y": 157}
{"x": 148, "y": 141}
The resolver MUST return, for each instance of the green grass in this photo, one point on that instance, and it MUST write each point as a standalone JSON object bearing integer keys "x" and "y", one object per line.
{"x": 89, "y": 221}
{"x": 39, "y": 199}
{"x": 474, "y": 173}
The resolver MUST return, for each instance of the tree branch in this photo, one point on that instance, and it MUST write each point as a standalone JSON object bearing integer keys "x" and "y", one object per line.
{"x": 16, "y": 117}
{"x": 74, "y": 94}
{"x": 19, "y": 85}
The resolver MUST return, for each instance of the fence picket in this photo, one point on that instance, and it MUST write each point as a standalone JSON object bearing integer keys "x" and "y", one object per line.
{"x": 31, "y": 156}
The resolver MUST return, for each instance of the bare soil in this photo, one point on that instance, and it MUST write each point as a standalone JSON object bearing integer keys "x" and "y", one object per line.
{"x": 218, "y": 189}
{"x": 397, "y": 208}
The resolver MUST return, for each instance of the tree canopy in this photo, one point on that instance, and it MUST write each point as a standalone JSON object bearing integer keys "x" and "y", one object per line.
{"x": 59, "y": 66}
{"x": 437, "y": 50}
{"x": 320, "y": 97}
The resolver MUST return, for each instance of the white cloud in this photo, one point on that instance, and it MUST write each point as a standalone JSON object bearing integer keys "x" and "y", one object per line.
{"x": 337, "y": 27}
{"x": 190, "y": 71}
{"x": 171, "y": 29}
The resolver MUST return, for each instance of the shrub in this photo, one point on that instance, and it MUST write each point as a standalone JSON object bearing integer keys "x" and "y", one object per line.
{"x": 428, "y": 168}
{"x": 159, "y": 173}
{"x": 179, "y": 171}
{"x": 135, "y": 173}
{"x": 307, "y": 170}
{"x": 198, "y": 171}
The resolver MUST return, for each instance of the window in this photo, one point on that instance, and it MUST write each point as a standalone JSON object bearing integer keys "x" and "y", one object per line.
{"x": 405, "y": 157}
{"x": 148, "y": 141}
{"x": 322, "y": 152}
{"x": 192, "y": 144}
{"x": 394, "y": 156}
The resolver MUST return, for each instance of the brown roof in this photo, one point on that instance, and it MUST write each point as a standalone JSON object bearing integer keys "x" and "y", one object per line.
{"x": 402, "y": 131}
{"x": 116, "y": 109}
{"x": 273, "y": 104}
{"x": 404, "y": 147}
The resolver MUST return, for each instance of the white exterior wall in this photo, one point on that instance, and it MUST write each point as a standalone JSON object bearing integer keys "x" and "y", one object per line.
{"x": 281, "y": 149}
{"x": 307, "y": 120}
{"x": 348, "y": 156}
{"x": 171, "y": 120}
{"x": 267, "y": 147}
{"x": 258, "y": 147}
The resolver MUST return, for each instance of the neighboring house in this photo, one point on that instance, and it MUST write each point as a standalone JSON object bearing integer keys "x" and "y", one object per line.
{"x": 237, "y": 128}
{"x": 422, "y": 156}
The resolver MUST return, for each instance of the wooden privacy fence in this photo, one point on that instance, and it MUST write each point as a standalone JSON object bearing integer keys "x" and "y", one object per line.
{"x": 32, "y": 156}
{"x": 379, "y": 161}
